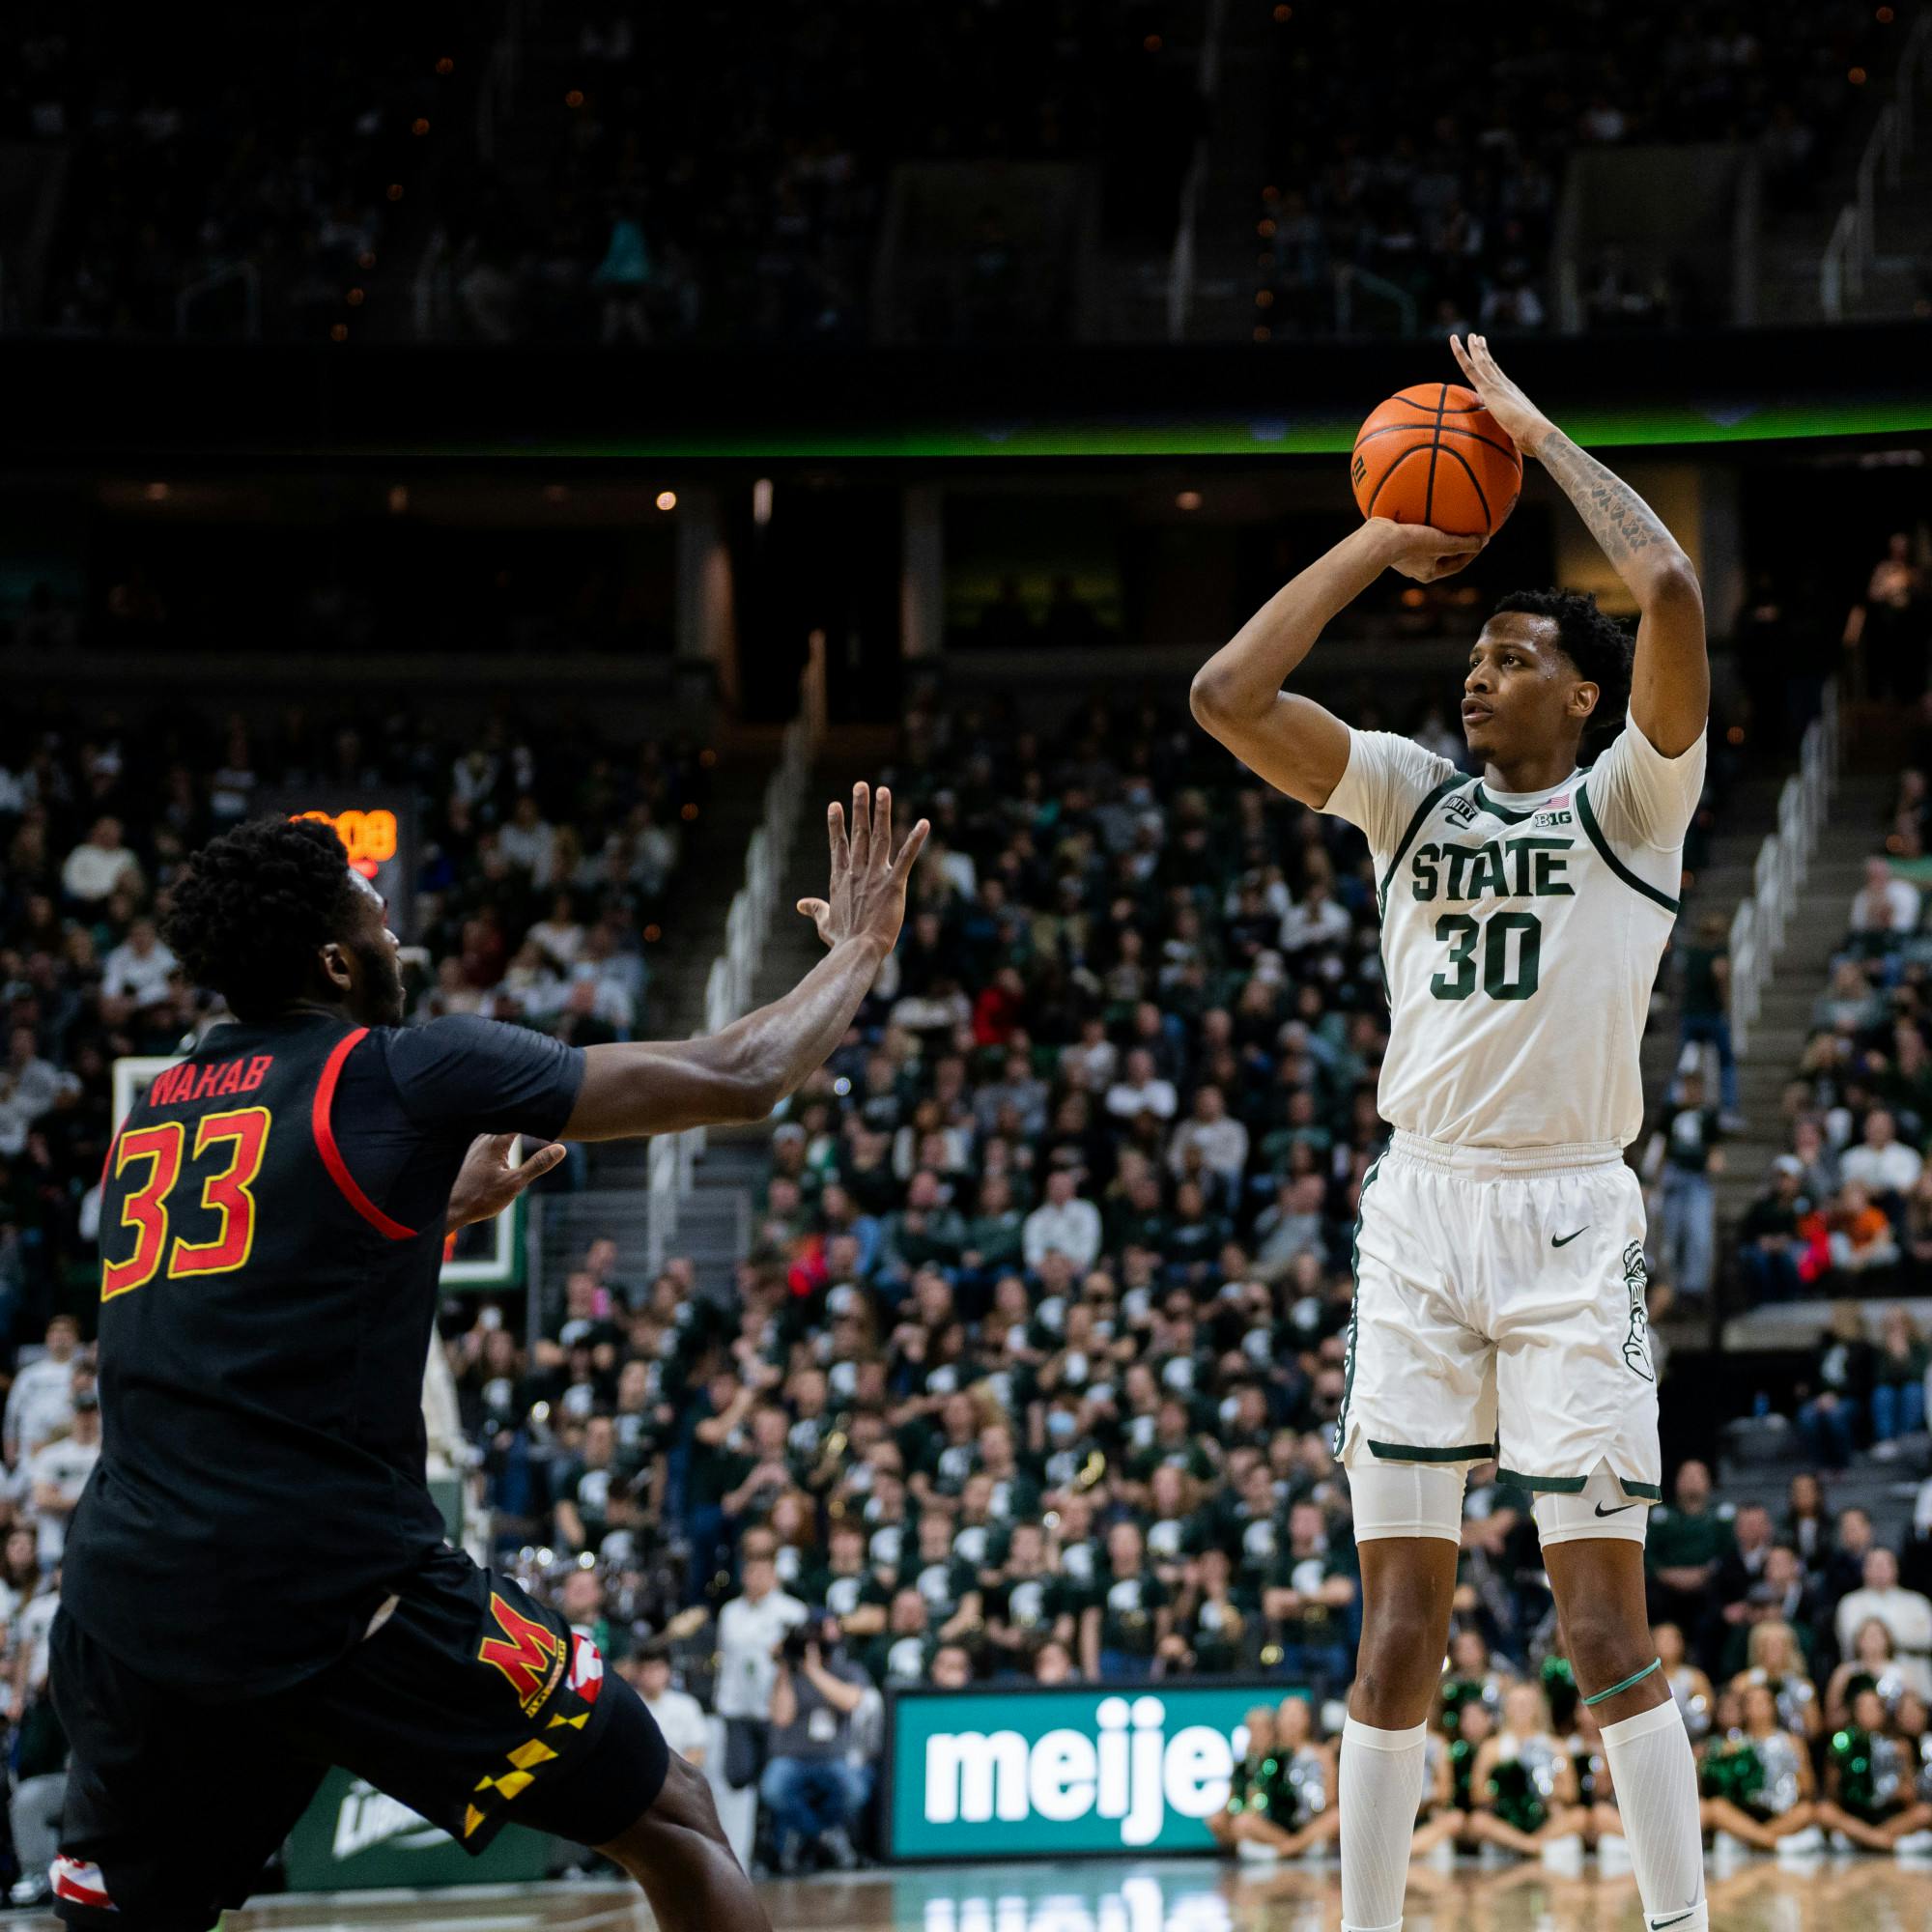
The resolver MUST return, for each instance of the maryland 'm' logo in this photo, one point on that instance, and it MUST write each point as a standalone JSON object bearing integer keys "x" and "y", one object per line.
{"x": 529, "y": 1654}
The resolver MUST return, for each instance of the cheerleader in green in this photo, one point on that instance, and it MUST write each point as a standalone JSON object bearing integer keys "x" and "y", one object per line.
{"x": 1756, "y": 1779}
{"x": 1873, "y": 1666}
{"x": 1290, "y": 1804}
{"x": 1871, "y": 1796}
{"x": 1438, "y": 1820}
{"x": 1522, "y": 1786}
{"x": 1690, "y": 1688}
{"x": 1252, "y": 1769}
{"x": 1468, "y": 1731}
{"x": 1773, "y": 1657}
{"x": 1470, "y": 1674}
{"x": 1913, "y": 1722}
{"x": 1603, "y": 1822}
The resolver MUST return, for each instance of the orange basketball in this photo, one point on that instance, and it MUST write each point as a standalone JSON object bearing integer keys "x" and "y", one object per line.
{"x": 1434, "y": 455}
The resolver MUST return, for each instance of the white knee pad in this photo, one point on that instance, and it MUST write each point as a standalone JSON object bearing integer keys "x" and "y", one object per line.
{"x": 1602, "y": 1509}
{"x": 1407, "y": 1499}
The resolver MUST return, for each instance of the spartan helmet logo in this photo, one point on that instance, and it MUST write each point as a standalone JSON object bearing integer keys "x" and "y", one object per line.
{"x": 1636, "y": 1343}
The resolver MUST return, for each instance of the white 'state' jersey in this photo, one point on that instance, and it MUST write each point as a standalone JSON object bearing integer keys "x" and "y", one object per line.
{"x": 1521, "y": 936}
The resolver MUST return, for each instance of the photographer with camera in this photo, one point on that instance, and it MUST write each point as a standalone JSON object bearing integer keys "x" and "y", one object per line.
{"x": 813, "y": 1787}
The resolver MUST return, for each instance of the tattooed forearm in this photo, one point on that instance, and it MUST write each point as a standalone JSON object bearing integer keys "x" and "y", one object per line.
{"x": 1622, "y": 522}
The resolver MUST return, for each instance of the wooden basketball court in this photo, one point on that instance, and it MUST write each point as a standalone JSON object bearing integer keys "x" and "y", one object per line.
{"x": 1167, "y": 1896}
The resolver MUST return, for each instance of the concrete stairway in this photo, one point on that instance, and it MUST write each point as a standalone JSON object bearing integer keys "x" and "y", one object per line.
{"x": 713, "y": 1228}
{"x": 792, "y": 949}
{"x": 714, "y": 1224}
{"x": 1899, "y": 283}
{"x": 1816, "y": 930}
{"x": 1717, "y": 887}
{"x": 711, "y": 871}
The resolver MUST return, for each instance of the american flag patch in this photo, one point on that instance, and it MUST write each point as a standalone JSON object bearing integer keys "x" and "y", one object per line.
{"x": 1557, "y": 803}
{"x": 80, "y": 1884}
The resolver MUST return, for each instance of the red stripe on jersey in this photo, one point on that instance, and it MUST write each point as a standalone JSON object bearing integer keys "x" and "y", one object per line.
{"x": 332, "y": 1155}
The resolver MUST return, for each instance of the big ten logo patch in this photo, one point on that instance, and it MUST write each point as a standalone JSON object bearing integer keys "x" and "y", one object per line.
{"x": 1555, "y": 812}
{"x": 529, "y": 1654}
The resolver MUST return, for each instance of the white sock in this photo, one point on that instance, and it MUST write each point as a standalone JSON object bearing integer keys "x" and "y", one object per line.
{"x": 1655, "y": 1779}
{"x": 1382, "y": 1787}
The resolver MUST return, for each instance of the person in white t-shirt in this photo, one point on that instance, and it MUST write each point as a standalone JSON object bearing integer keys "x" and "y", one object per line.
{"x": 680, "y": 1717}
{"x": 1222, "y": 1139}
{"x": 1906, "y": 1613}
{"x": 750, "y": 1630}
{"x": 140, "y": 969}
{"x": 1883, "y": 903}
{"x": 57, "y": 1473}
{"x": 1062, "y": 1224}
{"x": 1882, "y": 1163}
{"x": 1499, "y": 1304}
{"x": 41, "y": 1403}
{"x": 1142, "y": 1090}
{"x": 99, "y": 866}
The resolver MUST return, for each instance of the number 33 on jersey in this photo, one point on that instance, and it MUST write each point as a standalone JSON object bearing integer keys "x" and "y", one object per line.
{"x": 1521, "y": 936}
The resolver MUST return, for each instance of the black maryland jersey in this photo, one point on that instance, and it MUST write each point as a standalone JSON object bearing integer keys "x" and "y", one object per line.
{"x": 271, "y": 1231}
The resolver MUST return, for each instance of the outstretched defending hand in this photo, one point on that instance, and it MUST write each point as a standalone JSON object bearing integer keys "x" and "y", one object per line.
{"x": 869, "y": 884}
{"x": 1526, "y": 424}
{"x": 487, "y": 1183}
{"x": 1421, "y": 553}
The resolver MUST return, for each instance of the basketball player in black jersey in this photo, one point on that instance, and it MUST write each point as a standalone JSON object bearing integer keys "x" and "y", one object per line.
{"x": 256, "y": 1580}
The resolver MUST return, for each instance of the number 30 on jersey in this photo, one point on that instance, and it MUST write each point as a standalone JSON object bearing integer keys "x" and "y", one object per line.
{"x": 1507, "y": 945}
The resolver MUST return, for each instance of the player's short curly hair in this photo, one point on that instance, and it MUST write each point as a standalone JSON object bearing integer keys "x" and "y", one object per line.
{"x": 252, "y": 908}
{"x": 1595, "y": 643}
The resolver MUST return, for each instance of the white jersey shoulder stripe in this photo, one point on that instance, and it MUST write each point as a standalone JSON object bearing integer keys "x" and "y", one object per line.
{"x": 1587, "y": 816}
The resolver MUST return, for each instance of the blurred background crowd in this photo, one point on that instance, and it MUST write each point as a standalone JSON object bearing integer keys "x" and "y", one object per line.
{"x": 979, "y": 173}
{"x": 1020, "y": 1359}
{"x": 1027, "y": 1366}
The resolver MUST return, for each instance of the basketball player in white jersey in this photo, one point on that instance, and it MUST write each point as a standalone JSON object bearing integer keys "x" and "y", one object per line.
{"x": 1499, "y": 1297}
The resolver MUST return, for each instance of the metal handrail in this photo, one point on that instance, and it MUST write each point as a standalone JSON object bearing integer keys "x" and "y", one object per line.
{"x": 1180, "y": 273}
{"x": 246, "y": 274}
{"x": 1349, "y": 278}
{"x": 1852, "y": 245}
{"x": 1759, "y": 924}
{"x": 672, "y": 1160}
{"x": 428, "y": 291}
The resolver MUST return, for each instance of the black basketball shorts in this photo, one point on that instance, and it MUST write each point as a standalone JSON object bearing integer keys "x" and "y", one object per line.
{"x": 472, "y": 1704}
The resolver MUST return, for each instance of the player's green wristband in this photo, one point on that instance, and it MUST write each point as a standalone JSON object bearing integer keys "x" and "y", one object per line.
{"x": 1636, "y": 1677}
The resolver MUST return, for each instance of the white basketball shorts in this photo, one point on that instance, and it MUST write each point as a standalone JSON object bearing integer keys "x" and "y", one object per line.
{"x": 1499, "y": 1311}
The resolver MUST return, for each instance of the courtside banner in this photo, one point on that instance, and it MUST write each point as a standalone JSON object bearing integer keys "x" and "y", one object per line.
{"x": 1026, "y": 1772}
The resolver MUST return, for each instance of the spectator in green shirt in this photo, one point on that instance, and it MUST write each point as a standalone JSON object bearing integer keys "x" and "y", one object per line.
{"x": 1687, "y": 1542}
{"x": 992, "y": 1234}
